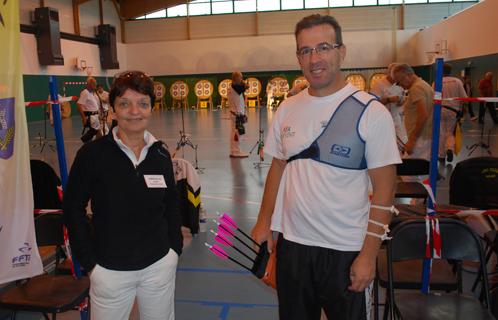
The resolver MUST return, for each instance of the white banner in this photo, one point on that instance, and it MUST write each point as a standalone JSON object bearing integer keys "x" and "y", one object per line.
{"x": 19, "y": 257}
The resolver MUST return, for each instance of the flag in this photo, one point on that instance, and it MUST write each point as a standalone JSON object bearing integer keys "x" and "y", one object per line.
{"x": 18, "y": 249}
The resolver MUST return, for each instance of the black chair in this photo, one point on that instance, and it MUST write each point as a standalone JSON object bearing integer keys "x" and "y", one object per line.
{"x": 411, "y": 167}
{"x": 458, "y": 243}
{"x": 45, "y": 182}
{"x": 48, "y": 294}
{"x": 474, "y": 183}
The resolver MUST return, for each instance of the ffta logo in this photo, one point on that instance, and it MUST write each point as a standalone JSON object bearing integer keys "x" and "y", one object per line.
{"x": 24, "y": 258}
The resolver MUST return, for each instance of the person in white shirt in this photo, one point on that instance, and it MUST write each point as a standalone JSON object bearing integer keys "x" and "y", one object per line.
{"x": 392, "y": 96}
{"x": 452, "y": 88}
{"x": 328, "y": 143}
{"x": 237, "y": 110}
{"x": 88, "y": 108}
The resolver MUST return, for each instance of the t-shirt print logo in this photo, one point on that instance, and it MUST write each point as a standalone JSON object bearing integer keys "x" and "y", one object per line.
{"x": 340, "y": 151}
{"x": 287, "y": 132}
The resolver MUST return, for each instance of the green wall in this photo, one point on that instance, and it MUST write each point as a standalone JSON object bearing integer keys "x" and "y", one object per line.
{"x": 36, "y": 86}
{"x": 36, "y": 89}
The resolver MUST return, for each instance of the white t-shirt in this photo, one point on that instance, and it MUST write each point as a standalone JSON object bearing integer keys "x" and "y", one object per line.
{"x": 89, "y": 100}
{"x": 235, "y": 101}
{"x": 318, "y": 204}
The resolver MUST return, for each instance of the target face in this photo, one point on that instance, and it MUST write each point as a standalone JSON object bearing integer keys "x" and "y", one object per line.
{"x": 278, "y": 86}
{"x": 203, "y": 89}
{"x": 253, "y": 87}
{"x": 223, "y": 87}
{"x": 179, "y": 90}
{"x": 357, "y": 80}
{"x": 159, "y": 90}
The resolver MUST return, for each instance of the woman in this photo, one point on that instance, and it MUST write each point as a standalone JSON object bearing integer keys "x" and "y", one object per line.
{"x": 136, "y": 238}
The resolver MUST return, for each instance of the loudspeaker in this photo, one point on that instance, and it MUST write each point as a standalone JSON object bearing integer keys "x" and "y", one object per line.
{"x": 107, "y": 46}
{"x": 48, "y": 38}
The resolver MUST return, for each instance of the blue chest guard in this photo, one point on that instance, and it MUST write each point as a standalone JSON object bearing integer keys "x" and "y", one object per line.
{"x": 340, "y": 144}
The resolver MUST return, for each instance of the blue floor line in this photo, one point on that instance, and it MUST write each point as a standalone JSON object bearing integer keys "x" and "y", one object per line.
{"x": 210, "y": 270}
{"x": 225, "y": 306}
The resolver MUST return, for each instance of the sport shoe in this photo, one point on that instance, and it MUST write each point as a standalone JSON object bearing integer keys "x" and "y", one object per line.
{"x": 239, "y": 155}
{"x": 449, "y": 155}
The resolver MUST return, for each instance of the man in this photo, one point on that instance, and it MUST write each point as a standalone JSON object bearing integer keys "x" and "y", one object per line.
{"x": 452, "y": 88}
{"x": 237, "y": 108}
{"x": 486, "y": 90}
{"x": 392, "y": 96}
{"x": 418, "y": 111}
{"x": 327, "y": 143}
{"x": 136, "y": 239}
{"x": 88, "y": 108}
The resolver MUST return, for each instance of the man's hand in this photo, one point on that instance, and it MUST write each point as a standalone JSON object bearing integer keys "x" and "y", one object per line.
{"x": 362, "y": 273}
{"x": 410, "y": 144}
{"x": 261, "y": 233}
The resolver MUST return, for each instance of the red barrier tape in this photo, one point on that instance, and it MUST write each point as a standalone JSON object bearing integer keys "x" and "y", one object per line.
{"x": 43, "y": 102}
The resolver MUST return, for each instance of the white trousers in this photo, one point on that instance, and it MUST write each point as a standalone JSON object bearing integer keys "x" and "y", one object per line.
{"x": 234, "y": 138}
{"x": 112, "y": 293}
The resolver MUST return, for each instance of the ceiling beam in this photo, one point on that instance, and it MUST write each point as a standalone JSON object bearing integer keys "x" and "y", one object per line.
{"x": 132, "y": 8}
{"x": 78, "y": 2}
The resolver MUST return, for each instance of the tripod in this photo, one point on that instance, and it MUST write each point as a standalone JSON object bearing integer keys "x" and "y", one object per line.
{"x": 185, "y": 141}
{"x": 259, "y": 144}
{"x": 481, "y": 143}
{"x": 42, "y": 140}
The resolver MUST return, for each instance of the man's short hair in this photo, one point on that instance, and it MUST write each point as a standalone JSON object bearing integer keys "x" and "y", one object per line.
{"x": 134, "y": 80}
{"x": 447, "y": 69}
{"x": 316, "y": 20}
{"x": 90, "y": 79}
{"x": 403, "y": 67}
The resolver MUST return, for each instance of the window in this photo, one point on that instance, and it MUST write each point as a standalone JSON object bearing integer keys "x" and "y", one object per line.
{"x": 316, "y": 4}
{"x": 268, "y": 5}
{"x": 199, "y": 7}
{"x": 208, "y": 7}
{"x": 157, "y": 14}
{"x": 245, "y": 5}
{"x": 341, "y": 3}
{"x": 387, "y": 2}
{"x": 222, "y": 7}
{"x": 365, "y": 2}
{"x": 292, "y": 4}
{"x": 178, "y": 11}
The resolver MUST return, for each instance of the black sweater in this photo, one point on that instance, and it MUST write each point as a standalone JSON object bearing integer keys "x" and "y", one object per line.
{"x": 133, "y": 226}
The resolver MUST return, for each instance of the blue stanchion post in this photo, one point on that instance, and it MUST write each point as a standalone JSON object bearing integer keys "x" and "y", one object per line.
{"x": 433, "y": 173}
{"x": 61, "y": 155}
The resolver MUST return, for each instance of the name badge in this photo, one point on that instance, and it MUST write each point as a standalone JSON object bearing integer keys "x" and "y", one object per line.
{"x": 155, "y": 181}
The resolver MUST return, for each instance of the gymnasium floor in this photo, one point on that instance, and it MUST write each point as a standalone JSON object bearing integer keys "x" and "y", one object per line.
{"x": 208, "y": 288}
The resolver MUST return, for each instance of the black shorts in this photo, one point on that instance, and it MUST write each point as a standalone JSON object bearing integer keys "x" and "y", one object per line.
{"x": 311, "y": 278}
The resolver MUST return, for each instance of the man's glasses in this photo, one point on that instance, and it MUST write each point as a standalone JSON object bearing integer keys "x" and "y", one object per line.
{"x": 321, "y": 50}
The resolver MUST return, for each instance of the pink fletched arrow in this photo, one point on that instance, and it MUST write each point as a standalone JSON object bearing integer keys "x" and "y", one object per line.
{"x": 228, "y": 221}
{"x": 227, "y": 232}
{"x": 221, "y": 239}
{"x": 223, "y": 255}
{"x": 225, "y": 217}
{"x": 214, "y": 249}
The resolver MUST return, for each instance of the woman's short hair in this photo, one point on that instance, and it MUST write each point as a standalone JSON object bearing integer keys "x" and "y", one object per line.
{"x": 134, "y": 80}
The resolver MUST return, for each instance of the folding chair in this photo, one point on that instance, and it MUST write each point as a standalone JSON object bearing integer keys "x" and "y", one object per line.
{"x": 411, "y": 167}
{"x": 45, "y": 186}
{"x": 48, "y": 294}
{"x": 458, "y": 242}
{"x": 474, "y": 183}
